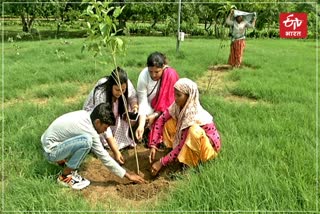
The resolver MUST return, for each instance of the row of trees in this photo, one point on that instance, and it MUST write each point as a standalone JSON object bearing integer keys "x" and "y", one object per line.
{"x": 210, "y": 13}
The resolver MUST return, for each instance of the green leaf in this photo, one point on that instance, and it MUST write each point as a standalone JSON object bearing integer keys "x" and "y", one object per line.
{"x": 117, "y": 12}
{"x": 94, "y": 47}
{"x": 89, "y": 10}
{"x": 96, "y": 16}
{"x": 103, "y": 28}
{"x": 119, "y": 43}
{"x": 84, "y": 46}
{"x": 108, "y": 20}
{"x": 106, "y": 4}
{"x": 89, "y": 25}
{"x": 114, "y": 27}
{"x": 108, "y": 10}
{"x": 86, "y": 1}
{"x": 99, "y": 3}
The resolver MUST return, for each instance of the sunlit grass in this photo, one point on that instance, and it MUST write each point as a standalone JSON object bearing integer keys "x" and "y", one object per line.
{"x": 265, "y": 113}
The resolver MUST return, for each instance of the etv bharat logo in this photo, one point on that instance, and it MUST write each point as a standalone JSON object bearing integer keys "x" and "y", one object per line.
{"x": 293, "y": 25}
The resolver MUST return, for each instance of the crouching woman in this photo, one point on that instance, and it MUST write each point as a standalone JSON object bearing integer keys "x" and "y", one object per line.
{"x": 186, "y": 128}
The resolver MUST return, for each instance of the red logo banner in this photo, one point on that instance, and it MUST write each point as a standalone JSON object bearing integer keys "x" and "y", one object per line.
{"x": 293, "y": 25}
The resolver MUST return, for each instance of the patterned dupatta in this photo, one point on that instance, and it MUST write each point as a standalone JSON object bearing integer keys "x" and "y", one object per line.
{"x": 165, "y": 94}
{"x": 192, "y": 112}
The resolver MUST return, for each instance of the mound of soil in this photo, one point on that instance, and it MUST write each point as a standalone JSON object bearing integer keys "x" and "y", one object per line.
{"x": 104, "y": 184}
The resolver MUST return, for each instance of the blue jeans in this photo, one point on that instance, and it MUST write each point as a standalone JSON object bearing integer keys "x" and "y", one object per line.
{"x": 74, "y": 149}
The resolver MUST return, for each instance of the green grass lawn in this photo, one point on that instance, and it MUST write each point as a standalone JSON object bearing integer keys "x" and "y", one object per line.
{"x": 268, "y": 161}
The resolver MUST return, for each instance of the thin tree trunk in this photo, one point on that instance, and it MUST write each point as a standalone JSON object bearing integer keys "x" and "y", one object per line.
{"x": 24, "y": 23}
{"x": 154, "y": 22}
{"x": 30, "y": 22}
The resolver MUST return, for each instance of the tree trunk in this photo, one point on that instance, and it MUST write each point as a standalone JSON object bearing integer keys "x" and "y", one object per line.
{"x": 205, "y": 25}
{"x": 216, "y": 31}
{"x": 155, "y": 20}
{"x": 122, "y": 21}
{"x": 58, "y": 30}
{"x": 61, "y": 21}
{"x": 24, "y": 23}
{"x": 122, "y": 26}
{"x": 30, "y": 22}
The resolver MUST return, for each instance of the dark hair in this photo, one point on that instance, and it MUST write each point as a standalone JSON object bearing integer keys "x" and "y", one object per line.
{"x": 112, "y": 80}
{"x": 104, "y": 113}
{"x": 156, "y": 59}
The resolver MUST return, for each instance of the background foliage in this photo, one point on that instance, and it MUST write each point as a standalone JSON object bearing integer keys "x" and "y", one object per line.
{"x": 198, "y": 18}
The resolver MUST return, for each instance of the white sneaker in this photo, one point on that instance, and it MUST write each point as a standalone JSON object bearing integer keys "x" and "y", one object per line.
{"x": 73, "y": 180}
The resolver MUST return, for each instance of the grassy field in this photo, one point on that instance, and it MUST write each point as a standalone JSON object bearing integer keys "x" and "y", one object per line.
{"x": 266, "y": 113}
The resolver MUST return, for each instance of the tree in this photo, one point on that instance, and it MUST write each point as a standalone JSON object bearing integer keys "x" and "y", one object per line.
{"x": 102, "y": 30}
{"x": 27, "y": 10}
{"x": 63, "y": 11}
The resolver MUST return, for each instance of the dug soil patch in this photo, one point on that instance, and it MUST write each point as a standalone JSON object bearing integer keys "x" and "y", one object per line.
{"x": 213, "y": 79}
{"x": 106, "y": 186}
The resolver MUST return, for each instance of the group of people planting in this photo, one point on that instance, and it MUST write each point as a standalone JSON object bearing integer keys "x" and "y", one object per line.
{"x": 169, "y": 114}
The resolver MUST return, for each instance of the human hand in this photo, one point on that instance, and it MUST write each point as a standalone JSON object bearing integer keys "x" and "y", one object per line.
{"x": 135, "y": 178}
{"x": 155, "y": 168}
{"x": 135, "y": 109}
{"x": 152, "y": 155}
{"x": 119, "y": 158}
{"x": 139, "y": 132}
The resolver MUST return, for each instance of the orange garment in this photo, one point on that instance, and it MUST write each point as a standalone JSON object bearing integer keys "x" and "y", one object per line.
{"x": 236, "y": 52}
{"x": 197, "y": 147}
{"x": 169, "y": 132}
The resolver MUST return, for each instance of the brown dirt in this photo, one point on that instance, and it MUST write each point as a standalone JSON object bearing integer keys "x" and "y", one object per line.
{"x": 225, "y": 67}
{"x": 105, "y": 185}
{"x": 29, "y": 96}
{"x": 241, "y": 99}
{"x": 213, "y": 79}
{"x": 81, "y": 95}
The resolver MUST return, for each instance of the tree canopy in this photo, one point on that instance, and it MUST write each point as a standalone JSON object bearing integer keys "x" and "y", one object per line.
{"x": 209, "y": 14}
